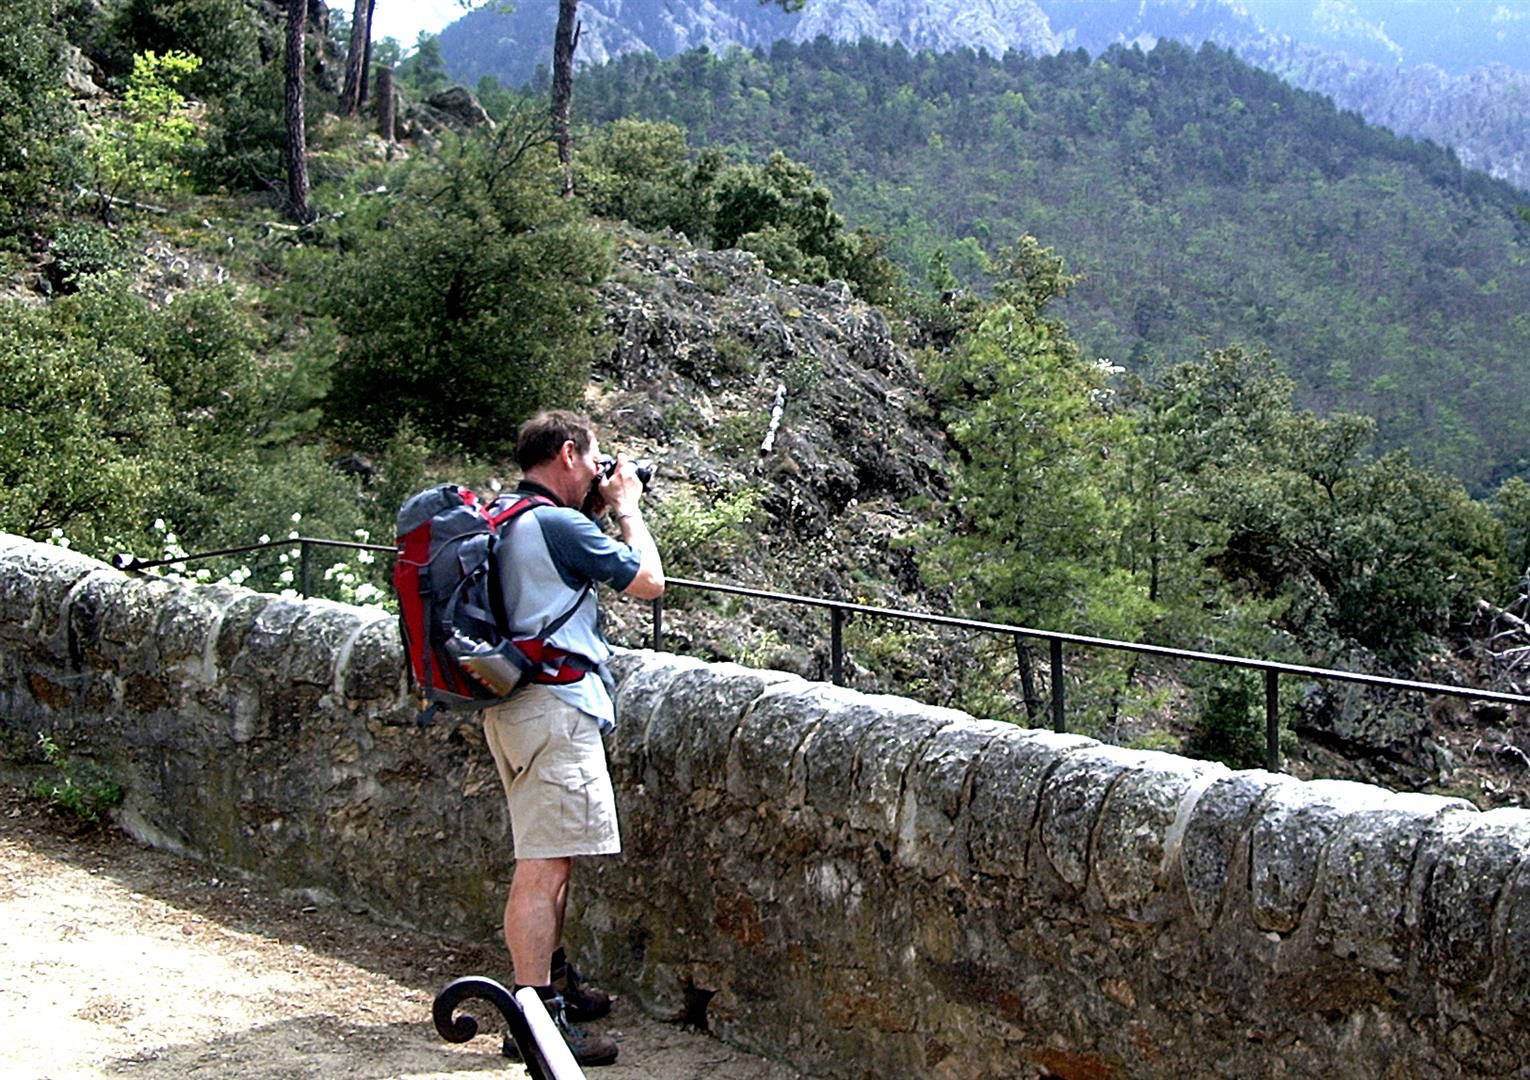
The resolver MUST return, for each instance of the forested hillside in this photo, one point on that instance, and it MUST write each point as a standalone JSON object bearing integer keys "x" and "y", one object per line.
{"x": 1202, "y": 201}
{"x": 1452, "y": 72}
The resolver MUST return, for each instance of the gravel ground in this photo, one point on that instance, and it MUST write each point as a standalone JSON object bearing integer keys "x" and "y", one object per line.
{"x": 123, "y": 961}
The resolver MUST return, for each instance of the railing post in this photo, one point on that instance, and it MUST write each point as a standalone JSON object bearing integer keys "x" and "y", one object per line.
{"x": 1272, "y": 720}
{"x": 1059, "y": 721}
{"x": 658, "y": 624}
{"x": 303, "y": 567}
{"x": 837, "y": 646}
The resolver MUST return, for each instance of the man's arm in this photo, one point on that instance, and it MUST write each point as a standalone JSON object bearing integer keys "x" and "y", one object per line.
{"x": 621, "y": 492}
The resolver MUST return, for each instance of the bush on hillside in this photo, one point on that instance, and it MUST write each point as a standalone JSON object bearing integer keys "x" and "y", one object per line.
{"x": 465, "y": 299}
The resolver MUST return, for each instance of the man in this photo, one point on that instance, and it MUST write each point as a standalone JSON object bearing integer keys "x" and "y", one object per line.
{"x": 546, "y": 740}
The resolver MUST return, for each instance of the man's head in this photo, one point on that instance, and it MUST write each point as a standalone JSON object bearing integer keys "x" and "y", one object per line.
{"x": 558, "y": 450}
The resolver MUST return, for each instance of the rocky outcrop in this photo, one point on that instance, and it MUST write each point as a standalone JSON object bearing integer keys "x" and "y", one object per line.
{"x": 859, "y": 885}
{"x": 703, "y": 342}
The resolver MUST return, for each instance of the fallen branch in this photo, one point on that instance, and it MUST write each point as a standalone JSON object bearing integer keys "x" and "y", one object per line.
{"x": 775, "y": 420}
{"x": 113, "y": 200}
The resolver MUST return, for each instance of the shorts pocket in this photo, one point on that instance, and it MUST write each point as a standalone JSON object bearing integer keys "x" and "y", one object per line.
{"x": 572, "y": 783}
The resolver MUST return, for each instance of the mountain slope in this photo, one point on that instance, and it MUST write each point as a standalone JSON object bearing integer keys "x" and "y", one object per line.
{"x": 1205, "y": 203}
{"x": 1447, "y": 76}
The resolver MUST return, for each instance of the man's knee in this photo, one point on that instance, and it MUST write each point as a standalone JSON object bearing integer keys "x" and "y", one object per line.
{"x": 542, "y": 877}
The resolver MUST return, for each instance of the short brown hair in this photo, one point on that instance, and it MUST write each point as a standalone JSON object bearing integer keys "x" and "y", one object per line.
{"x": 542, "y": 437}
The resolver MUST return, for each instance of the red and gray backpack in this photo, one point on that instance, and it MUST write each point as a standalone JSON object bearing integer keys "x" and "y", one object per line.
{"x": 451, "y": 603}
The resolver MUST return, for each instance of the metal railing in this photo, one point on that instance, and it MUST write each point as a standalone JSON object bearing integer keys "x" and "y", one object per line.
{"x": 839, "y": 610}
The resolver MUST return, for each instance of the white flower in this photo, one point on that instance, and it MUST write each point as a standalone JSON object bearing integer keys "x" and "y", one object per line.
{"x": 296, "y": 517}
{"x": 286, "y": 576}
{"x": 171, "y": 538}
{"x": 293, "y": 535}
{"x": 362, "y": 534}
{"x": 159, "y": 524}
{"x": 203, "y": 574}
{"x": 282, "y": 558}
{"x": 264, "y": 538}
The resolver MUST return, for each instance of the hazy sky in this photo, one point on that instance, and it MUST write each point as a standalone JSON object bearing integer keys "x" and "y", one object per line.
{"x": 404, "y": 19}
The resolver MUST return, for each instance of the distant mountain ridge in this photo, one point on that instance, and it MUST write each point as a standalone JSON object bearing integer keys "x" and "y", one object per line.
{"x": 1455, "y": 73}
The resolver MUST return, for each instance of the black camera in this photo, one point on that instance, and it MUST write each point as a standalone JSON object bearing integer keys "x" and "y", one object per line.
{"x": 608, "y": 466}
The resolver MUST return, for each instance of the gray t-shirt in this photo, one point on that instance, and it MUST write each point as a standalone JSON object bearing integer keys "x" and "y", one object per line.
{"x": 547, "y": 556}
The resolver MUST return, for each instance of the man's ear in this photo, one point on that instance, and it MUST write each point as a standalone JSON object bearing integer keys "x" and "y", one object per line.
{"x": 569, "y": 454}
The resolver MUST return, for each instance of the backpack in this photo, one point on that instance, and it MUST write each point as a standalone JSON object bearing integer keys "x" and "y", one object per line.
{"x": 451, "y": 603}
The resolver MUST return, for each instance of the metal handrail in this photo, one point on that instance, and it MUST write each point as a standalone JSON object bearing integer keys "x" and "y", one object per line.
{"x": 840, "y": 609}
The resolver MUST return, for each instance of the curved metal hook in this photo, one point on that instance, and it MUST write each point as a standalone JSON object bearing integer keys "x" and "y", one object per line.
{"x": 461, "y": 1029}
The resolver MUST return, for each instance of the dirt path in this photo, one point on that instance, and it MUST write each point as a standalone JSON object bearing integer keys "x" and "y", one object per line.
{"x": 116, "y": 960}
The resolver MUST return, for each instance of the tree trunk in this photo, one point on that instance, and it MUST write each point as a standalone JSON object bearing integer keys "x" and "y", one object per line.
{"x": 297, "y": 136}
{"x": 387, "y": 110}
{"x": 356, "y": 60}
{"x": 563, "y": 87}
{"x": 1027, "y": 678}
{"x": 366, "y": 59}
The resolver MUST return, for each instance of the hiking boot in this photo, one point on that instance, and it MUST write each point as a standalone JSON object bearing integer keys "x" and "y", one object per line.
{"x": 581, "y": 1001}
{"x": 587, "y": 1047}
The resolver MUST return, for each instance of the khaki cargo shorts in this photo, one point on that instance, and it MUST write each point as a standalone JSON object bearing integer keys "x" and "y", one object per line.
{"x": 553, "y": 766}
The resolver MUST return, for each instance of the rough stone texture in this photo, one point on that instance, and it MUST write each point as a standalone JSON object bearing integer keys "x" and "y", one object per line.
{"x": 861, "y": 885}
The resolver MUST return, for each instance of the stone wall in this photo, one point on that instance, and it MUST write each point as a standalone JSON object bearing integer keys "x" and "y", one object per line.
{"x": 860, "y": 885}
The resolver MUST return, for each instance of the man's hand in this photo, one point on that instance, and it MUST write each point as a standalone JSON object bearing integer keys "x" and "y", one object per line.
{"x": 620, "y": 493}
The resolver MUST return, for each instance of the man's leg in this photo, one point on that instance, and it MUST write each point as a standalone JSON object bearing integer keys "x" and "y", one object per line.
{"x": 534, "y": 917}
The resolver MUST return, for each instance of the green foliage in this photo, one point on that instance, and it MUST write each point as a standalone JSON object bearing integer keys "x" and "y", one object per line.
{"x": 101, "y": 415}
{"x": 1511, "y": 503}
{"x": 641, "y": 172}
{"x": 78, "y": 788}
{"x": 144, "y": 149}
{"x": 465, "y": 299}
{"x": 81, "y": 249}
{"x": 170, "y": 412}
{"x": 36, "y": 122}
{"x": 1199, "y": 200}
{"x": 1286, "y": 510}
{"x": 424, "y": 71}
{"x": 1038, "y": 448}
{"x": 239, "y": 80}
{"x": 1229, "y": 720}
{"x": 702, "y": 534}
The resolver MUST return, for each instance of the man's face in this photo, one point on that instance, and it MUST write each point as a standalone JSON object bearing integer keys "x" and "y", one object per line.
{"x": 584, "y": 471}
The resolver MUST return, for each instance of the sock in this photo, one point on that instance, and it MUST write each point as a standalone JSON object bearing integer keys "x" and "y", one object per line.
{"x": 543, "y": 992}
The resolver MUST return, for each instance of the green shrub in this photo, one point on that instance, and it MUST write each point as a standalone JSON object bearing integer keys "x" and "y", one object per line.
{"x": 79, "y": 788}
{"x": 36, "y": 121}
{"x": 466, "y": 301}
{"x": 1229, "y": 720}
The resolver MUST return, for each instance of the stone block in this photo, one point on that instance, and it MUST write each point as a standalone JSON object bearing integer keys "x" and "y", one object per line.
{"x": 642, "y": 678}
{"x": 1138, "y": 831}
{"x": 766, "y": 744}
{"x": 34, "y": 579}
{"x": 1006, "y": 797}
{"x": 828, "y": 760}
{"x": 1512, "y": 979}
{"x": 932, "y": 823}
{"x": 187, "y": 619}
{"x": 695, "y": 722}
{"x": 317, "y": 640}
{"x": 1217, "y": 824}
{"x": 887, "y": 752}
{"x": 375, "y": 669}
{"x": 1291, "y": 832}
{"x": 1071, "y": 799}
{"x": 1471, "y": 859}
{"x": 1364, "y": 879}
